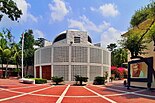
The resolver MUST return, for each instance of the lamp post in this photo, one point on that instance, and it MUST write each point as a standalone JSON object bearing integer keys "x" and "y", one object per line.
{"x": 22, "y": 52}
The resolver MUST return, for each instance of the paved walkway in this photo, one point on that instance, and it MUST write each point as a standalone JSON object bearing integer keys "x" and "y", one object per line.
{"x": 11, "y": 91}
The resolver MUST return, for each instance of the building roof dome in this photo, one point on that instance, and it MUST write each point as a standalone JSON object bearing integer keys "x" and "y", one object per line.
{"x": 63, "y": 35}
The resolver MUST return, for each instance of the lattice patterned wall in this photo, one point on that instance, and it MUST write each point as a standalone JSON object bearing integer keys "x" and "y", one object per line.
{"x": 37, "y": 57}
{"x": 61, "y": 54}
{"x": 61, "y": 71}
{"x": 106, "y": 57}
{"x": 46, "y": 55}
{"x": 78, "y": 70}
{"x": 108, "y": 54}
{"x": 79, "y": 54}
{"x": 94, "y": 71}
{"x": 95, "y": 55}
{"x": 105, "y": 69}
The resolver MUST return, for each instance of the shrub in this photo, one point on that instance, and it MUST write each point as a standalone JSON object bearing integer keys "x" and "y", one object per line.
{"x": 57, "y": 80}
{"x": 99, "y": 80}
{"x": 40, "y": 81}
{"x": 80, "y": 79}
{"x": 118, "y": 74}
{"x": 29, "y": 76}
{"x": 106, "y": 75}
{"x": 125, "y": 74}
{"x": 111, "y": 79}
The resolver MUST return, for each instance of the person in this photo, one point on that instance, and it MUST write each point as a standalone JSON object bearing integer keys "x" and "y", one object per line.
{"x": 137, "y": 70}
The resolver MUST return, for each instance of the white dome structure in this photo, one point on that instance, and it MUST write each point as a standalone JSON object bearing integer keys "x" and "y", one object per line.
{"x": 72, "y": 53}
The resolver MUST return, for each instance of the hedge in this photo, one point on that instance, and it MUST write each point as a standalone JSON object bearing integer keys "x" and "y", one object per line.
{"x": 40, "y": 81}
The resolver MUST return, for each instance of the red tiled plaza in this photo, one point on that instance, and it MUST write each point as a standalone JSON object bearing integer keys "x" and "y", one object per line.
{"x": 11, "y": 91}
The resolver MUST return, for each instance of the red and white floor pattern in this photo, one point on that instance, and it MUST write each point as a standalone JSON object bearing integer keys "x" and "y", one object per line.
{"x": 46, "y": 93}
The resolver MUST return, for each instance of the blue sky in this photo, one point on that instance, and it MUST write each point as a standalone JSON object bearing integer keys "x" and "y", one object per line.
{"x": 104, "y": 20}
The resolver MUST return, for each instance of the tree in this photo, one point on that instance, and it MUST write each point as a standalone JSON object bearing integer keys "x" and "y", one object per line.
{"x": 119, "y": 57}
{"x": 5, "y": 48}
{"x": 9, "y": 8}
{"x": 40, "y": 42}
{"x": 142, "y": 24}
{"x": 7, "y": 56}
{"x": 111, "y": 46}
{"x": 80, "y": 79}
{"x": 16, "y": 56}
{"x": 28, "y": 49}
{"x": 132, "y": 43}
{"x": 57, "y": 80}
{"x": 143, "y": 14}
{"x": 99, "y": 80}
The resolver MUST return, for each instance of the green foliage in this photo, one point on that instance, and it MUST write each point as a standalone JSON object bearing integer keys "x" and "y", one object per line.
{"x": 111, "y": 46}
{"x": 151, "y": 34}
{"x": 99, "y": 80}
{"x": 9, "y": 8}
{"x": 28, "y": 49}
{"x": 143, "y": 14}
{"x": 16, "y": 70}
{"x": 80, "y": 79}
{"x": 112, "y": 78}
{"x": 141, "y": 31}
{"x": 40, "y": 81}
{"x": 5, "y": 48}
{"x": 57, "y": 80}
{"x": 106, "y": 75}
{"x": 125, "y": 74}
{"x": 7, "y": 53}
{"x": 132, "y": 43}
{"x": 40, "y": 42}
{"x": 119, "y": 74}
{"x": 10, "y": 52}
{"x": 139, "y": 17}
{"x": 118, "y": 57}
{"x": 28, "y": 76}
{"x": 16, "y": 54}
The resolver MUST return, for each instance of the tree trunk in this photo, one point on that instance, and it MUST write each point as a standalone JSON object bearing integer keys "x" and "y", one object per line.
{"x": 2, "y": 68}
{"x": 81, "y": 82}
{"x": 6, "y": 71}
{"x": 26, "y": 70}
{"x": 17, "y": 70}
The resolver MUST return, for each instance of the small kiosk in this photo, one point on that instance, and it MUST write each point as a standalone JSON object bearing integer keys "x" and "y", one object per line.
{"x": 141, "y": 73}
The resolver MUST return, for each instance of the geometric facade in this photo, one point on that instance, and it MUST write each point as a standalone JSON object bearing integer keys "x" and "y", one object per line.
{"x": 72, "y": 53}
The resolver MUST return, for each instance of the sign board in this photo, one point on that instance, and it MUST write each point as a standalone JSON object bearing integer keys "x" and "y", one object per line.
{"x": 138, "y": 70}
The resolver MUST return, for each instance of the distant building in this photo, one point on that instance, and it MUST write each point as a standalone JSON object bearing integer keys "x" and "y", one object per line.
{"x": 47, "y": 43}
{"x": 10, "y": 69}
{"x": 72, "y": 53}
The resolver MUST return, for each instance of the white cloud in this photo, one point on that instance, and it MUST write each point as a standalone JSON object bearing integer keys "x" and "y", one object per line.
{"x": 25, "y": 17}
{"x": 23, "y": 5}
{"x": 76, "y": 24}
{"x": 92, "y": 9}
{"x": 38, "y": 34}
{"x": 107, "y": 33}
{"x": 111, "y": 35}
{"x": 58, "y": 10}
{"x": 85, "y": 24}
{"x": 107, "y": 10}
{"x": 84, "y": 9}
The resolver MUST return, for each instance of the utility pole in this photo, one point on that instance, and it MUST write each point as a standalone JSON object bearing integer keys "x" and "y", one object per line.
{"x": 22, "y": 52}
